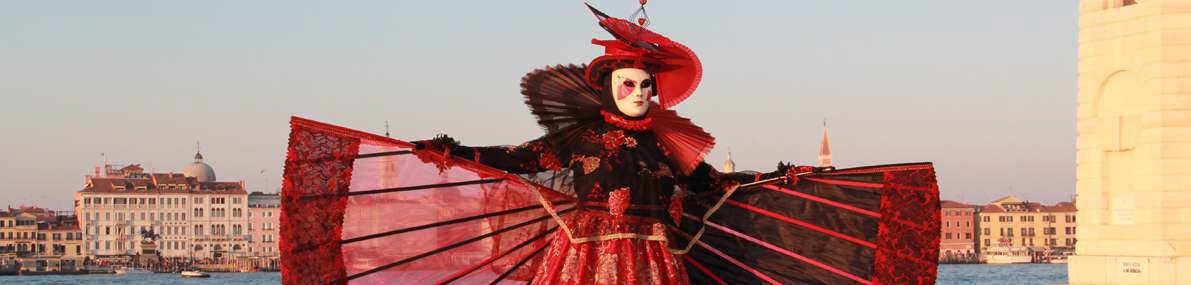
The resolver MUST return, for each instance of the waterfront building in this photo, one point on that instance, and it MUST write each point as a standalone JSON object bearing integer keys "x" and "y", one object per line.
{"x": 40, "y": 240}
{"x": 18, "y": 234}
{"x": 1012, "y": 222}
{"x": 264, "y": 220}
{"x": 957, "y": 242}
{"x": 1133, "y": 175}
{"x": 191, "y": 214}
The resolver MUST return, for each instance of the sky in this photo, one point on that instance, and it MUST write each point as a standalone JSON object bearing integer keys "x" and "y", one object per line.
{"x": 984, "y": 89}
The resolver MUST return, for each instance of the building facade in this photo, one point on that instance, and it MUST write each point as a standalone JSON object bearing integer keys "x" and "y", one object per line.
{"x": 1132, "y": 143}
{"x": 190, "y": 214}
{"x": 18, "y": 234}
{"x": 39, "y": 240}
{"x": 957, "y": 242}
{"x": 264, "y": 220}
{"x": 1012, "y": 222}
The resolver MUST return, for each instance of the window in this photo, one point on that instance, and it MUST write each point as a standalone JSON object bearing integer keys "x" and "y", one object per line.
{"x": 198, "y": 212}
{"x": 967, "y": 235}
{"x": 198, "y": 230}
{"x": 987, "y": 219}
{"x": 987, "y": 242}
{"x": 236, "y": 201}
{"x": 237, "y": 212}
{"x": 986, "y": 231}
{"x": 948, "y": 236}
{"x": 198, "y": 200}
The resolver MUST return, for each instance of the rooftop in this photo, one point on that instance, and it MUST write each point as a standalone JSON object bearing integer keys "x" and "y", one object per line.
{"x": 954, "y": 204}
{"x": 160, "y": 183}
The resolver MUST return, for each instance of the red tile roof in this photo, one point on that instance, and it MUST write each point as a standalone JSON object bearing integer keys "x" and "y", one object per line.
{"x": 160, "y": 183}
{"x": 954, "y": 204}
{"x": 1060, "y": 207}
{"x": 991, "y": 209}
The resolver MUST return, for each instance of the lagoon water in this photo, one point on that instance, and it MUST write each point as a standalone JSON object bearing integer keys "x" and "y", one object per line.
{"x": 255, "y": 278}
{"x": 957, "y": 274}
{"x": 998, "y": 274}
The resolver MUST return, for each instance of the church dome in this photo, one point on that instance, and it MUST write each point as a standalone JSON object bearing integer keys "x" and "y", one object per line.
{"x": 199, "y": 170}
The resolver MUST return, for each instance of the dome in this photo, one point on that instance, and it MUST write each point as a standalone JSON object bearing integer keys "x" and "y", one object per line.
{"x": 199, "y": 170}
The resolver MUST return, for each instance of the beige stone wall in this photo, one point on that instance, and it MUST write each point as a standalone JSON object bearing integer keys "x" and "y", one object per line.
{"x": 1133, "y": 157}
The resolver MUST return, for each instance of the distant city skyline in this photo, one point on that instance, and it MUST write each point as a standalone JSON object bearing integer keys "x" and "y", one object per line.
{"x": 990, "y": 101}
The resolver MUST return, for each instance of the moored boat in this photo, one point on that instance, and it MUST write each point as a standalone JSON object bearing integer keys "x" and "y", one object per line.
{"x": 195, "y": 274}
{"x": 131, "y": 270}
{"x": 1007, "y": 255}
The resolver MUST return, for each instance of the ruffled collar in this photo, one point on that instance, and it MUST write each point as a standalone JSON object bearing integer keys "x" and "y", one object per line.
{"x": 636, "y": 125}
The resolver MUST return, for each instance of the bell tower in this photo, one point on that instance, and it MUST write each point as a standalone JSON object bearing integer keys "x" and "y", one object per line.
{"x": 825, "y": 148}
{"x": 1133, "y": 143}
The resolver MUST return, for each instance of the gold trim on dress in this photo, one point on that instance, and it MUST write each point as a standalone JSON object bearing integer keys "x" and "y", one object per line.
{"x": 699, "y": 234}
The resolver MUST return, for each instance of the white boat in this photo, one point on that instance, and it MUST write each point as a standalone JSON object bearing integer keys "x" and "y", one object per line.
{"x": 131, "y": 270}
{"x": 195, "y": 274}
{"x": 1007, "y": 255}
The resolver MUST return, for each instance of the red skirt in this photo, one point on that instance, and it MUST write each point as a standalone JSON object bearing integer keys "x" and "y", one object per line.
{"x": 609, "y": 262}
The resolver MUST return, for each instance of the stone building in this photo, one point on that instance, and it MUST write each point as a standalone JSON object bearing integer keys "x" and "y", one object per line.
{"x": 264, "y": 220}
{"x": 39, "y": 240}
{"x": 1012, "y": 222}
{"x": 192, "y": 214}
{"x": 957, "y": 241}
{"x": 1133, "y": 175}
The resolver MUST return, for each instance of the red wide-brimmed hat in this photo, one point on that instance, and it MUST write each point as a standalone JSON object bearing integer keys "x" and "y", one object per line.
{"x": 675, "y": 66}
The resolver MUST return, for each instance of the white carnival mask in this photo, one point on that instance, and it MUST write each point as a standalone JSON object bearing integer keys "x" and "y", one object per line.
{"x": 632, "y": 89}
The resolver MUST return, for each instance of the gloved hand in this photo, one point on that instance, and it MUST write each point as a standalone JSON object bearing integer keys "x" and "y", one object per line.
{"x": 793, "y": 171}
{"x": 436, "y": 150}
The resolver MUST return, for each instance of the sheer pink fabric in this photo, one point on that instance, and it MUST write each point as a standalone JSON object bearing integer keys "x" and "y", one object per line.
{"x": 500, "y": 215}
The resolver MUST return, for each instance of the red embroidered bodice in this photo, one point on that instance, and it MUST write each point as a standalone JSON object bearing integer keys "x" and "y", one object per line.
{"x": 624, "y": 179}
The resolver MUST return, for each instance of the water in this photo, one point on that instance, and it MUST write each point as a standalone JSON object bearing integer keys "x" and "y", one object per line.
{"x": 949, "y": 274}
{"x": 989, "y": 274}
{"x": 254, "y": 278}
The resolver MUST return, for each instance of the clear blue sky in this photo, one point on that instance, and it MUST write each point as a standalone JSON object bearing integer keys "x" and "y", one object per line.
{"x": 985, "y": 89}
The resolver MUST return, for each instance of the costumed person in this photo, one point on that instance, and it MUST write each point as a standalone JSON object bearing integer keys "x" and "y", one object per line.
{"x": 636, "y": 205}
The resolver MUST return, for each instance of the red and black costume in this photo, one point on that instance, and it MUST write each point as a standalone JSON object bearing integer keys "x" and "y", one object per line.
{"x": 635, "y": 204}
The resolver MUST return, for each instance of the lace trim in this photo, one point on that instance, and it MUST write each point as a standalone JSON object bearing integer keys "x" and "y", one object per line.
{"x": 636, "y": 125}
